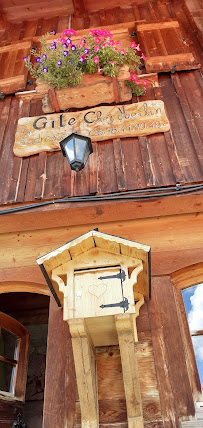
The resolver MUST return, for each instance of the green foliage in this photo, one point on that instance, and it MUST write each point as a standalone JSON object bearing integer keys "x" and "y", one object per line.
{"x": 61, "y": 63}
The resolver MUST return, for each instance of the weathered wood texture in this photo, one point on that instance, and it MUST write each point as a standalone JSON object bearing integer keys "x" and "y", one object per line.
{"x": 15, "y": 10}
{"x": 133, "y": 163}
{"x": 118, "y": 121}
{"x": 59, "y": 400}
{"x": 111, "y": 394}
{"x": 157, "y": 160}
{"x": 165, "y": 383}
{"x": 176, "y": 394}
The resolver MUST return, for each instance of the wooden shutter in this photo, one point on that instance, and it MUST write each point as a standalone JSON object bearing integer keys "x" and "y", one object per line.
{"x": 13, "y": 73}
{"x": 165, "y": 47}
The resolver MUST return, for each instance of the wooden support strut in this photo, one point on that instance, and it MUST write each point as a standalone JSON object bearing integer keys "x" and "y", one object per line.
{"x": 85, "y": 366}
{"x": 126, "y": 329}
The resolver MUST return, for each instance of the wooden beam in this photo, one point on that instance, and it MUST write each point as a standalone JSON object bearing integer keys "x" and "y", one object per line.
{"x": 86, "y": 375}
{"x": 23, "y": 287}
{"x": 60, "y": 385}
{"x": 188, "y": 276}
{"x": 166, "y": 236}
{"x": 125, "y": 325}
{"x": 94, "y": 213}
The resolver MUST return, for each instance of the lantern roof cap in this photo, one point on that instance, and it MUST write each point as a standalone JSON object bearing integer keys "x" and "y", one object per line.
{"x": 90, "y": 240}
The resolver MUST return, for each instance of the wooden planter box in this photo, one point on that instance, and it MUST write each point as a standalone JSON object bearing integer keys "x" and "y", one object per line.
{"x": 95, "y": 89}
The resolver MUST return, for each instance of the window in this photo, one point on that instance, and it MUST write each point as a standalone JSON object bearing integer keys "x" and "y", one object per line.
{"x": 14, "y": 345}
{"x": 193, "y": 300}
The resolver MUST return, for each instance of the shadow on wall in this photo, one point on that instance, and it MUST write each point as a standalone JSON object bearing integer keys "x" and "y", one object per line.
{"x": 34, "y": 400}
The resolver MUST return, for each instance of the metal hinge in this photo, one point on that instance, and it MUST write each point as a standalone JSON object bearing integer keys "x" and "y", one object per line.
{"x": 120, "y": 275}
{"x": 124, "y": 304}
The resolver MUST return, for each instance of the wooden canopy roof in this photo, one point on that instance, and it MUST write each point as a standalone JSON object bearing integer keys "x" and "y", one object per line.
{"x": 94, "y": 239}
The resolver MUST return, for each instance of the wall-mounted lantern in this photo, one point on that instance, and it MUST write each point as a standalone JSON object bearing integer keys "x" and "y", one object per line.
{"x": 76, "y": 148}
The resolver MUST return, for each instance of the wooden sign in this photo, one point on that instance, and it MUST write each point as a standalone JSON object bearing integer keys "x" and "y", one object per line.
{"x": 37, "y": 134}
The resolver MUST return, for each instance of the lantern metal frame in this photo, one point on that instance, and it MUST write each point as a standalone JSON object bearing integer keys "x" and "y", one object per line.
{"x": 77, "y": 163}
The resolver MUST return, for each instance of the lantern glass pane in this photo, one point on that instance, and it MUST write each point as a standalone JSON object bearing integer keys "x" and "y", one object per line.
{"x": 87, "y": 152}
{"x": 80, "y": 146}
{"x": 69, "y": 149}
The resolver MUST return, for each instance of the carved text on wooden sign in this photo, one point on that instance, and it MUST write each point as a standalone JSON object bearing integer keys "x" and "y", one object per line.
{"x": 37, "y": 134}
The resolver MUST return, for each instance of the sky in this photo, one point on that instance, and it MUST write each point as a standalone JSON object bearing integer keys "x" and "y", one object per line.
{"x": 193, "y": 299}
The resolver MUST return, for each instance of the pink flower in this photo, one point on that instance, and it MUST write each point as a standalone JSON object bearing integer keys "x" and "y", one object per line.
{"x": 97, "y": 40}
{"x": 145, "y": 82}
{"x": 116, "y": 49}
{"x": 111, "y": 42}
{"x": 99, "y": 70}
{"x": 112, "y": 62}
{"x": 62, "y": 40}
{"x": 96, "y": 59}
{"x": 122, "y": 51}
{"x": 96, "y": 48}
{"x": 69, "y": 32}
{"x": 133, "y": 45}
{"x": 104, "y": 45}
{"x": 132, "y": 77}
{"x": 143, "y": 57}
{"x": 118, "y": 43}
{"x": 138, "y": 48}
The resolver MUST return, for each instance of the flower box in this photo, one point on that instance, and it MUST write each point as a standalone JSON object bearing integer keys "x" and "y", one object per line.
{"x": 95, "y": 89}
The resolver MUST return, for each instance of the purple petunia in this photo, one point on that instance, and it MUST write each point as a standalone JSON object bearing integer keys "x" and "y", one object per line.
{"x": 24, "y": 58}
{"x": 68, "y": 41}
{"x": 53, "y": 46}
{"x": 59, "y": 63}
{"x": 44, "y": 56}
{"x": 65, "y": 53}
{"x": 70, "y": 62}
{"x": 45, "y": 70}
{"x": 86, "y": 51}
{"x": 82, "y": 59}
{"x": 65, "y": 45}
{"x": 54, "y": 32}
{"x": 73, "y": 48}
{"x": 38, "y": 59}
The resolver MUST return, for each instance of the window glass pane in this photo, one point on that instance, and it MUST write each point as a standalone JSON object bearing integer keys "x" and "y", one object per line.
{"x": 7, "y": 372}
{"x": 193, "y": 300}
{"x": 8, "y": 344}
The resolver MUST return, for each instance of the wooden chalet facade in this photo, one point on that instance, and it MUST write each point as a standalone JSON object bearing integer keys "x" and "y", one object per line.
{"x": 146, "y": 189}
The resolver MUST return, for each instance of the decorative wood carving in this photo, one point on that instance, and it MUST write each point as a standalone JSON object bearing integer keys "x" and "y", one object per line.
{"x": 96, "y": 279}
{"x": 44, "y": 133}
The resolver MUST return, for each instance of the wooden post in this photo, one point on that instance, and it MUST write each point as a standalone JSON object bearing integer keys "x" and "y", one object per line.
{"x": 125, "y": 325}
{"x": 60, "y": 385}
{"x": 85, "y": 366}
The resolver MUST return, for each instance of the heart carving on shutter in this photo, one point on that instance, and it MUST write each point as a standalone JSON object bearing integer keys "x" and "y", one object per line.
{"x": 97, "y": 290}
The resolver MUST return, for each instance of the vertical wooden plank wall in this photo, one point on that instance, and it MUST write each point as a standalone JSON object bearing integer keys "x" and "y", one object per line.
{"x": 165, "y": 381}
{"x": 173, "y": 381}
{"x": 60, "y": 385}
